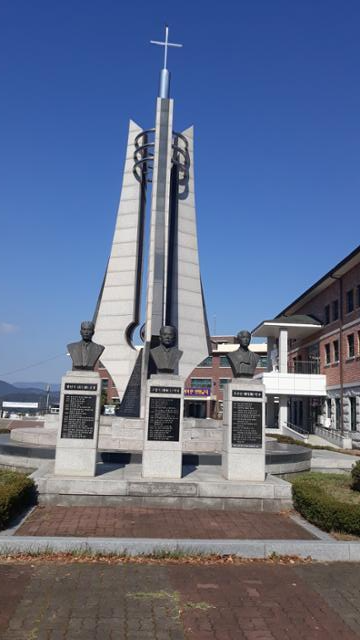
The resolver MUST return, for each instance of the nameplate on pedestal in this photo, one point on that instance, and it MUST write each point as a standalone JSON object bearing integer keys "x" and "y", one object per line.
{"x": 173, "y": 390}
{"x": 80, "y": 386}
{"x": 78, "y": 420}
{"x": 239, "y": 393}
{"x": 164, "y": 419}
{"x": 246, "y": 424}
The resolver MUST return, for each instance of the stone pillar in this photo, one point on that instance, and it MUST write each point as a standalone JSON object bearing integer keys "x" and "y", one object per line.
{"x": 77, "y": 438}
{"x": 283, "y": 412}
{"x": 283, "y": 351}
{"x": 357, "y": 413}
{"x": 270, "y": 344}
{"x": 162, "y": 451}
{"x": 347, "y": 413}
{"x": 333, "y": 414}
{"x": 243, "y": 452}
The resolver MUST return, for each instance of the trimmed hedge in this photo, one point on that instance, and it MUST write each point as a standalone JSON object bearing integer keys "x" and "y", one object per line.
{"x": 324, "y": 510}
{"x": 355, "y": 475}
{"x": 17, "y": 491}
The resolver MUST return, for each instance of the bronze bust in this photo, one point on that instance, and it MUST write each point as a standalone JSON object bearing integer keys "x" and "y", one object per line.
{"x": 243, "y": 361}
{"x": 166, "y": 356}
{"x": 85, "y": 353}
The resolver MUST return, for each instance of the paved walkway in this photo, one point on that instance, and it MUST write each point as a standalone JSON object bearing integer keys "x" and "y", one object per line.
{"x": 146, "y": 522}
{"x": 179, "y": 602}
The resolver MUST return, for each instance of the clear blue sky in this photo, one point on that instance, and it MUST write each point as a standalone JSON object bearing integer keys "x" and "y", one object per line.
{"x": 273, "y": 90}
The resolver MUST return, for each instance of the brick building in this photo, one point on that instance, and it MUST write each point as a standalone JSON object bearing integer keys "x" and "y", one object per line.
{"x": 333, "y": 350}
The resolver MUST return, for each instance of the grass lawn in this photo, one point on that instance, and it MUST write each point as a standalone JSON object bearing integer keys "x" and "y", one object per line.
{"x": 328, "y": 501}
{"x": 17, "y": 491}
{"x": 336, "y": 485}
{"x": 288, "y": 440}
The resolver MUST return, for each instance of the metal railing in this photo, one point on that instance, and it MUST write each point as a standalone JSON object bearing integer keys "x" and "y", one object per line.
{"x": 299, "y": 430}
{"x": 303, "y": 366}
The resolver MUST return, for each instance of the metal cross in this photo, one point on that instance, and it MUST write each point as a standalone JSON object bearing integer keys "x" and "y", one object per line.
{"x": 165, "y": 44}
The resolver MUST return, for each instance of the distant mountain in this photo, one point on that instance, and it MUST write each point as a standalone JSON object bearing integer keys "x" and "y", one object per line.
{"x": 37, "y": 385}
{"x": 5, "y": 387}
{"x": 10, "y": 392}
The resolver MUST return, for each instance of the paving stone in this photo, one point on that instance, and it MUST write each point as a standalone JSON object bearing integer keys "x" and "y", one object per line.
{"x": 180, "y": 602}
{"x": 146, "y": 522}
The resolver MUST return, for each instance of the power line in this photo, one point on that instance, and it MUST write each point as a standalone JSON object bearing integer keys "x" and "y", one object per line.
{"x": 30, "y": 366}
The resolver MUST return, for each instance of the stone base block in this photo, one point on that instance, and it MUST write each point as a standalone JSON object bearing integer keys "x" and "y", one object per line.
{"x": 161, "y": 464}
{"x": 249, "y": 467}
{"x": 76, "y": 462}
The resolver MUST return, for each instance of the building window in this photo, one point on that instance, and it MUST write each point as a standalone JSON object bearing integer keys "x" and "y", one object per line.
{"x": 358, "y": 295}
{"x": 351, "y": 345}
{"x": 337, "y": 413}
{"x": 223, "y": 382}
{"x": 327, "y": 353}
{"x": 328, "y": 408}
{"x": 207, "y": 362}
{"x": 336, "y": 350}
{"x": 352, "y": 413}
{"x": 201, "y": 383}
{"x": 350, "y": 301}
{"x": 224, "y": 361}
{"x": 263, "y": 362}
{"x": 335, "y": 309}
{"x": 327, "y": 314}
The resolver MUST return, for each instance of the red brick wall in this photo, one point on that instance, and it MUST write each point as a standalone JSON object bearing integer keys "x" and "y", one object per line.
{"x": 331, "y": 332}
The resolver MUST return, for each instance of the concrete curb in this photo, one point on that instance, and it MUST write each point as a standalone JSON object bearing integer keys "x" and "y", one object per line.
{"x": 333, "y": 551}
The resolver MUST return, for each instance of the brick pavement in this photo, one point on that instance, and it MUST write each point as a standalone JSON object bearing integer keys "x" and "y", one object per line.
{"x": 146, "y": 522}
{"x": 180, "y": 602}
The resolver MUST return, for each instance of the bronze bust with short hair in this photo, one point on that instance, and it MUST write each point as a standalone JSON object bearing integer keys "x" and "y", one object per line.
{"x": 85, "y": 353}
{"x": 243, "y": 361}
{"x": 166, "y": 356}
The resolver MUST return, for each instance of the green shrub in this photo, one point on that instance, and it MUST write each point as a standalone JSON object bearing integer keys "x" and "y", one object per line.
{"x": 323, "y": 509}
{"x": 355, "y": 475}
{"x": 17, "y": 491}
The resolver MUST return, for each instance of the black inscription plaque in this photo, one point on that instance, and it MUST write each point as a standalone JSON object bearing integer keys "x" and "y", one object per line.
{"x": 78, "y": 419}
{"x": 164, "y": 419}
{"x": 80, "y": 386}
{"x": 246, "y": 424}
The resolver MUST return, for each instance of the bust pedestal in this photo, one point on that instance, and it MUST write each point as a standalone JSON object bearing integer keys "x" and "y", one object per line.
{"x": 162, "y": 451}
{"x": 243, "y": 452}
{"x": 77, "y": 438}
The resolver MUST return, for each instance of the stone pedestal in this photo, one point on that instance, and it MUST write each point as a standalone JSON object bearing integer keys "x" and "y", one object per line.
{"x": 243, "y": 453}
{"x": 78, "y": 433}
{"x": 162, "y": 452}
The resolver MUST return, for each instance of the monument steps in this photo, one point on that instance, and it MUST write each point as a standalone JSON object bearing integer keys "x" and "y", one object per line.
{"x": 201, "y": 487}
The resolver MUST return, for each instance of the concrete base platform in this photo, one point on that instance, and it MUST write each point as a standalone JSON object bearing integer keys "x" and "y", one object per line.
{"x": 199, "y": 487}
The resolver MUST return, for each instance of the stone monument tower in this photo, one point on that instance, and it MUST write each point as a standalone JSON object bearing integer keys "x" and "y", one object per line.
{"x": 163, "y": 159}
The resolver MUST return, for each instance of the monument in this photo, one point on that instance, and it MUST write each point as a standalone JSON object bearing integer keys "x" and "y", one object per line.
{"x": 162, "y": 451}
{"x": 163, "y": 159}
{"x": 78, "y": 433}
{"x": 243, "y": 453}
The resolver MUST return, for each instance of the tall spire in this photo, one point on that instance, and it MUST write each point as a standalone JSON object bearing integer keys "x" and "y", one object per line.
{"x": 165, "y": 73}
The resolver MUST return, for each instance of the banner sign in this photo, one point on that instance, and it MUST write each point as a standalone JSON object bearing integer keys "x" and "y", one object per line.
{"x": 197, "y": 393}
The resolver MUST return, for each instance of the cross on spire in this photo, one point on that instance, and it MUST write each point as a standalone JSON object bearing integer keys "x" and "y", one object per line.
{"x": 165, "y": 44}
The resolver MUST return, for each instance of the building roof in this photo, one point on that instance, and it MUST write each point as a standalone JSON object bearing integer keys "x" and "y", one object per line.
{"x": 298, "y": 326}
{"x": 334, "y": 274}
